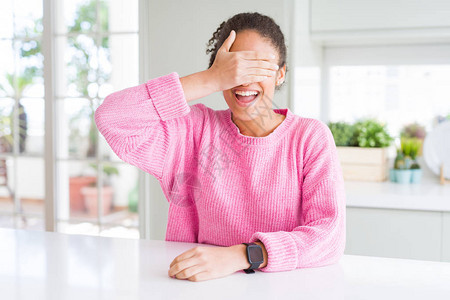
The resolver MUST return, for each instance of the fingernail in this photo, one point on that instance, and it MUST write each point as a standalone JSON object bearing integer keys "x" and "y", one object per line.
{"x": 272, "y": 55}
{"x": 277, "y": 66}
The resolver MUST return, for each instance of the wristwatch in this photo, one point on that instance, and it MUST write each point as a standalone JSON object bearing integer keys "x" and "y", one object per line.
{"x": 254, "y": 256}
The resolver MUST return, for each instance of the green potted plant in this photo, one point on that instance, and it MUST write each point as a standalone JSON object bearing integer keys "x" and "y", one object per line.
{"x": 414, "y": 130}
{"x": 362, "y": 149}
{"x": 402, "y": 163}
{"x": 406, "y": 168}
{"x": 343, "y": 134}
{"x": 399, "y": 164}
{"x": 90, "y": 192}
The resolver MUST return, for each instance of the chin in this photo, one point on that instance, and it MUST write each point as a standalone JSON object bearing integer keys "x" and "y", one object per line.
{"x": 247, "y": 113}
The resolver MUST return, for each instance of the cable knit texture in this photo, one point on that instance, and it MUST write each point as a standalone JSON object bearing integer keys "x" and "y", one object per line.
{"x": 224, "y": 188}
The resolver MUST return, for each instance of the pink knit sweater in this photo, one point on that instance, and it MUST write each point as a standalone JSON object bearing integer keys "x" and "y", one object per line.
{"x": 224, "y": 188}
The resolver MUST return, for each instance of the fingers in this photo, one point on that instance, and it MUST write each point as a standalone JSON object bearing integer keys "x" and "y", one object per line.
{"x": 202, "y": 276}
{"x": 255, "y": 78}
{"x": 259, "y": 65}
{"x": 182, "y": 265}
{"x": 228, "y": 42}
{"x": 189, "y": 272}
{"x": 258, "y": 74}
{"x": 262, "y": 64}
{"x": 261, "y": 72}
{"x": 183, "y": 256}
{"x": 257, "y": 55}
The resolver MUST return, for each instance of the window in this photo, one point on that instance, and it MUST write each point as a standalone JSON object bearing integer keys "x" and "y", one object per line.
{"x": 395, "y": 94}
{"x": 96, "y": 52}
{"x": 395, "y": 84}
{"x": 21, "y": 115}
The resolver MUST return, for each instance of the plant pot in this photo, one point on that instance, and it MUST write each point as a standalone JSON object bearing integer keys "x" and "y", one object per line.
{"x": 363, "y": 164}
{"x": 403, "y": 176}
{"x": 75, "y": 186}
{"x": 392, "y": 177}
{"x": 91, "y": 203}
{"x": 416, "y": 175}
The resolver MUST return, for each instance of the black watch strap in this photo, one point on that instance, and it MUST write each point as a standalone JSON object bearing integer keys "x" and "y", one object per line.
{"x": 253, "y": 266}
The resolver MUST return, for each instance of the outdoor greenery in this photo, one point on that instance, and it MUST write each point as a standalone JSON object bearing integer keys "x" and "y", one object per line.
{"x": 364, "y": 133}
{"x": 85, "y": 72}
{"x": 108, "y": 170}
{"x": 5, "y": 129}
{"x": 16, "y": 84}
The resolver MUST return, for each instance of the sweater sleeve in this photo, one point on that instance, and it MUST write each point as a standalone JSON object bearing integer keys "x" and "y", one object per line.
{"x": 320, "y": 240}
{"x": 142, "y": 123}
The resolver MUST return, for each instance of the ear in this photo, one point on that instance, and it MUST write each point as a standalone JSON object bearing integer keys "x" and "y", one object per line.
{"x": 281, "y": 75}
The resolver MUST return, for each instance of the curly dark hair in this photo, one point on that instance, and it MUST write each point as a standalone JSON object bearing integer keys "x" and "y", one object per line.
{"x": 262, "y": 24}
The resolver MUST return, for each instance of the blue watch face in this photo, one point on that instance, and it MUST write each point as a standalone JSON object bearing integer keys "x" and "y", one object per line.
{"x": 255, "y": 253}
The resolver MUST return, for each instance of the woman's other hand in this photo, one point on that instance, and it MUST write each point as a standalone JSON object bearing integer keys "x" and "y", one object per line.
{"x": 204, "y": 263}
{"x": 231, "y": 69}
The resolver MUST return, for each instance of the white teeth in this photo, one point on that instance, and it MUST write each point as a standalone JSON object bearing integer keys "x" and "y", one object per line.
{"x": 249, "y": 93}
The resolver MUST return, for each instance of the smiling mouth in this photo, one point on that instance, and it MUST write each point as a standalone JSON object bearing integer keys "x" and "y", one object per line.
{"x": 246, "y": 98}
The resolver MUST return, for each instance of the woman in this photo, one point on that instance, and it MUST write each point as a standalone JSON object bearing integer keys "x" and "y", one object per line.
{"x": 249, "y": 173}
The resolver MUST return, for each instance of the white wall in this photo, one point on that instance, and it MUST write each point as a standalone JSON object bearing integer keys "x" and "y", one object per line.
{"x": 306, "y": 64}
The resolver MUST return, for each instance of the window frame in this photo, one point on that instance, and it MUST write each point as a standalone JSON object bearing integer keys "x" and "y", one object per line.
{"x": 50, "y": 155}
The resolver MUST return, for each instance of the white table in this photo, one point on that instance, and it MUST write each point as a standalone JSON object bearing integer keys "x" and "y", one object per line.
{"x": 43, "y": 265}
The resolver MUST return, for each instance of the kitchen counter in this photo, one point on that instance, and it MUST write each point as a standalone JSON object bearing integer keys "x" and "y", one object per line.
{"x": 43, "y": 265}
{"x": 428, "y": 195}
